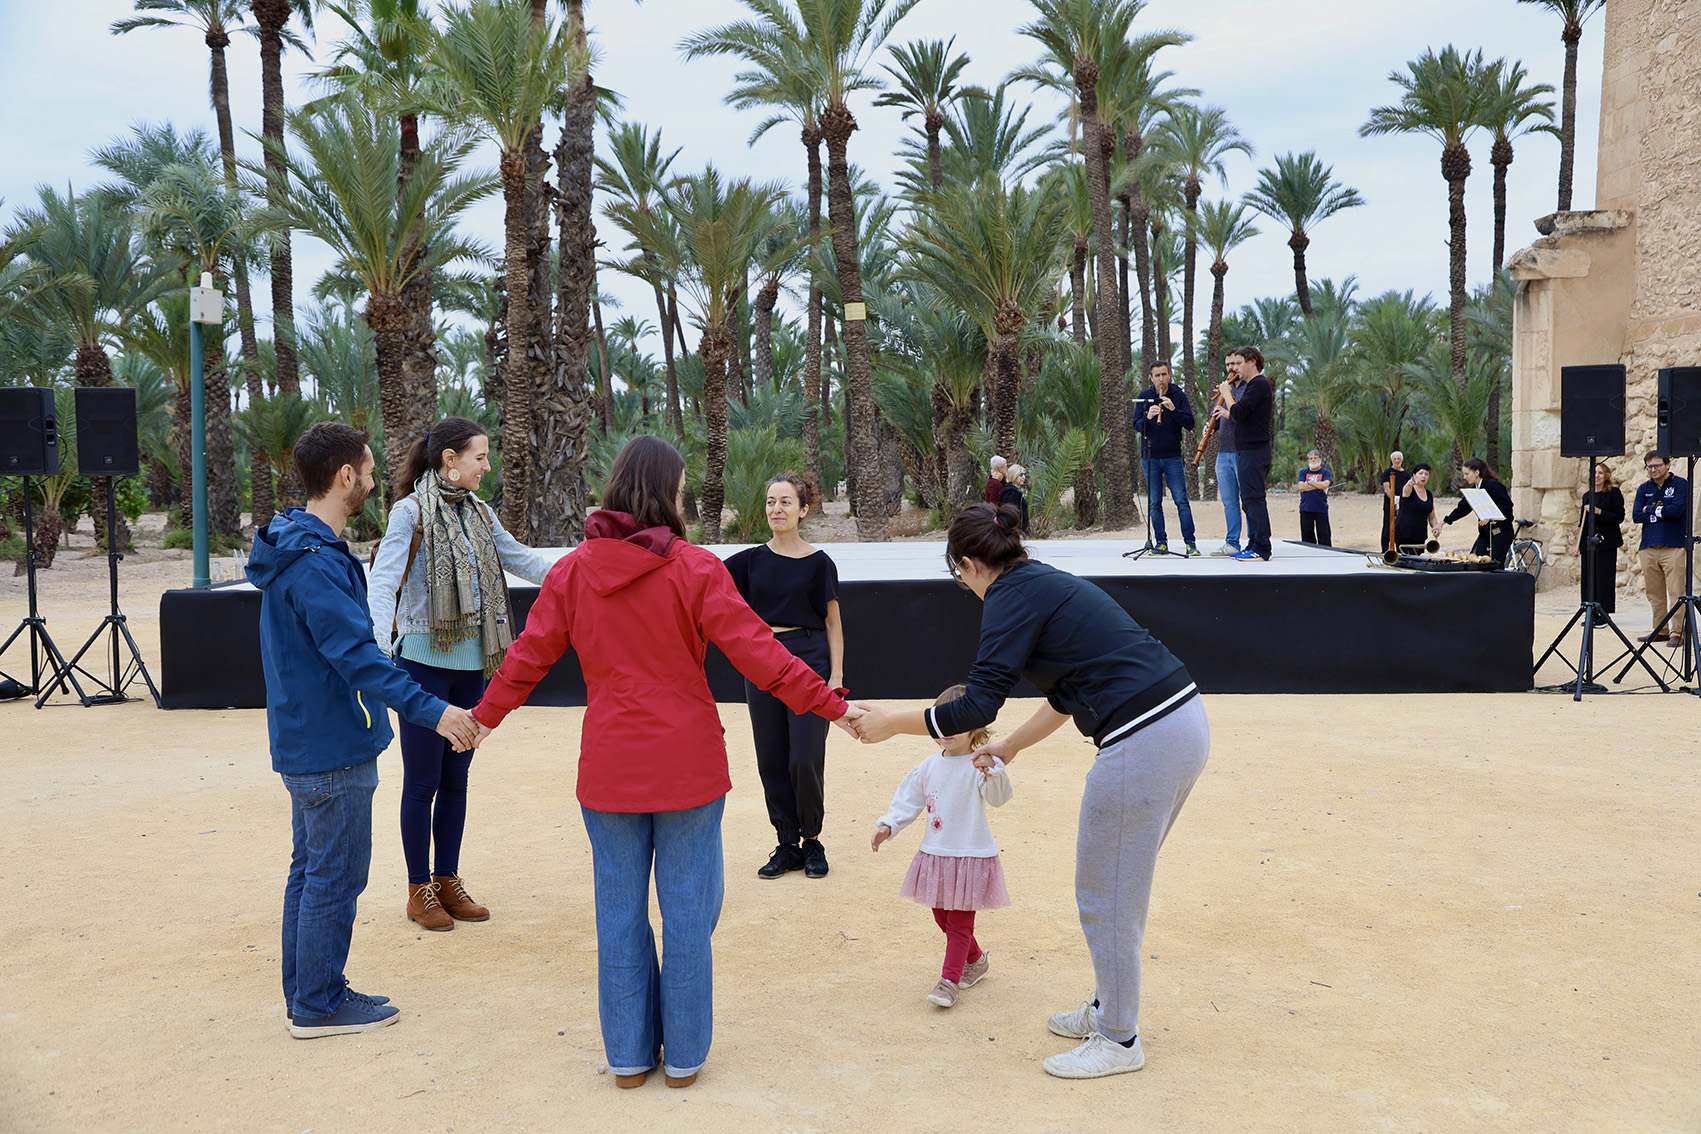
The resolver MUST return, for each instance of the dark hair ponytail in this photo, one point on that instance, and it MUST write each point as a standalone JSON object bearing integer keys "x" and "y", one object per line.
{"x": 990, "y": 535}
{"x": 1481, "y": 467}
{"x": 427, "y": 452}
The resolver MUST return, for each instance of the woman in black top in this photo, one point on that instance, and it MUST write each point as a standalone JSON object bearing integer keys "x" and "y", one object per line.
{"x": 1417, "y": 511}
{"x": 1600, "y": 565}
{"x": 794, "y": 588}
{"x": 1494, "y": 537}
{"x": 1015, "y": 492}
{"x": 1141, "y": 709}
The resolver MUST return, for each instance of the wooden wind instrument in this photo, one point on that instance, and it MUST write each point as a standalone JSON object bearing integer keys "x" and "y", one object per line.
{"x": 1205, "y": 434}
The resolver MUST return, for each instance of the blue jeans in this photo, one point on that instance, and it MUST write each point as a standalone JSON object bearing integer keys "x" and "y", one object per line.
{"x": 644, "y": 1005}
{"x": 1228, "y": 490}
{"x": 331, "y": 825}
{"x": 1158, "y": 471}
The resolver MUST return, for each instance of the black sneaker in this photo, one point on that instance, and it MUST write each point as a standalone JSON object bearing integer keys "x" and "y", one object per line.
{"x": 814, "y": 859}
{"x": 786, "y": 857}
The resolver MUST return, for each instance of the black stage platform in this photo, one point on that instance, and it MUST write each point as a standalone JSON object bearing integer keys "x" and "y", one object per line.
{"x": 1309, "y": 621}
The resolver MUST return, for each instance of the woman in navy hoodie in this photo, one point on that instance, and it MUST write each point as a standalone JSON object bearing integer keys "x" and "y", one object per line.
{"x": 639, "y": 606}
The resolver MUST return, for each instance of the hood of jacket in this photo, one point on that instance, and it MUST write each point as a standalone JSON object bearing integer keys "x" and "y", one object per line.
{"x": 617, "y": 551}
{"x": 291, "y": 534}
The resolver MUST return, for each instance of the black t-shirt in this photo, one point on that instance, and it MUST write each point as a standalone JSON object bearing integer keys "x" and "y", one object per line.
{"x": 785, "y": 591}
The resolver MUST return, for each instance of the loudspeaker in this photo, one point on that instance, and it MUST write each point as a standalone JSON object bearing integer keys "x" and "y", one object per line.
{"x": 1591, "y": 411}
{"x": 1679, "y": 426}
{"x": 29, "y": 432}
{"x": 106, "y": 431}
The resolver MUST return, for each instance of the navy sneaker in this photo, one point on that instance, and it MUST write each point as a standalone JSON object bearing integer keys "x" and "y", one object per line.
{"x": 1162, "y": 548}
{"x": 1192, "y": 551}
{"x": 347, "y": 991}
{"x": 357, "y": 1014}
{"x": 786, "y": 858}
{"x": 814, "y": 859}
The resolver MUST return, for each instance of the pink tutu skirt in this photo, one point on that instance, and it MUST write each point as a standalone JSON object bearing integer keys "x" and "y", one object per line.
{"x": 956, "y": 883}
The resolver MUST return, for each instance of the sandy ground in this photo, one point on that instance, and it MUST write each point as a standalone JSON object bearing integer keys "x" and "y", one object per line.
{"x": 1393, "y": 913}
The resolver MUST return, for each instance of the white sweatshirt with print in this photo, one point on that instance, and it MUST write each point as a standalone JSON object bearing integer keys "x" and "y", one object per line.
{"x": 951, "y": 791}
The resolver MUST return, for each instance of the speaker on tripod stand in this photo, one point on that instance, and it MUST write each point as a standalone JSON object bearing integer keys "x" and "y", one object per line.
{"x": 29, "y": 447}
{"x": 107, "y": 445}
{"x": 1591, "y": 424}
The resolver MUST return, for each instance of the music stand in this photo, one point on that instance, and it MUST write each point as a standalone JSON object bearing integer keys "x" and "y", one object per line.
{"x": 44, "y": 655}
{"x": 1691, "y": 656}
{"x": 116, "y": 630}
{"x": 1589, "y": 612}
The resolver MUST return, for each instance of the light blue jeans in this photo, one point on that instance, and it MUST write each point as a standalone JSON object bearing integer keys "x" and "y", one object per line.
{"x": 1228, "y": 491}
{"x": 331, "y": 828}
{"x": 645, "y": 1005}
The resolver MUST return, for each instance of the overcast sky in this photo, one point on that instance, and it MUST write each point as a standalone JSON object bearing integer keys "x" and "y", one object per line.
{"x": 1292, "y": 74}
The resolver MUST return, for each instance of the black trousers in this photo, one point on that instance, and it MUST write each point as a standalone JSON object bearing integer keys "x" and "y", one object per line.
{"x": 791, "y": 750}
{"x": 1600, "y": 577}
{"x": 1252, "y": 468}
{"x": 1494, "y": 541}
{"x": 1314, "y": 528}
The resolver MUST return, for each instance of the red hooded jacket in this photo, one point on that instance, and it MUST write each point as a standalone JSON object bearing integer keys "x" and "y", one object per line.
{"x": 640, "y": 607}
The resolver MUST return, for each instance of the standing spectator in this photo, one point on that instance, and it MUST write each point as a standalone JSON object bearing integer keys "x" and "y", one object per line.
{"x": 1391, "y": 483}
{"x": 995, "y": 480}
{"x": 1015, "y": 492}
{"x": 1600, "y": 563}
{"x": 1662, "y": 504}
{"x": 1252, "y": 410}
{"x": 1314, "y": 501}
{"x": 327, "y": 685}
{"x": 1162, "y": 414}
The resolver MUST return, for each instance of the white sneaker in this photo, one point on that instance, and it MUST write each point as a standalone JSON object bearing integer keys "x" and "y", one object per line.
{"x": 1096, "y": 1058}
{"x": 1079, "y": 1024}
{"x": 1225, "y": 549}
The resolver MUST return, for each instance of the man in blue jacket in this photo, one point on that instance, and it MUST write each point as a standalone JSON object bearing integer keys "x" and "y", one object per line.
{"x": 327, "y": 685}
{"x": 1161, "y": 413}
{"x": 1662, "y": 507}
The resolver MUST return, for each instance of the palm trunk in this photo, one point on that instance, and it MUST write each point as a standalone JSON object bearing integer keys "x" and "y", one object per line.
{"x": 388, "y": 315}
{"x": 1492, "y": 445}
{"x": 1123, "y": 301}
{"x": 1160, "y": 295}
{"x": 1500, "y": 154}
{"x": 562, "y": 417}
{"x": 1078, "y": 293}
{"x": 605, "y": 378}
{"x": 1189, "y": 265}
{"x": 224, "y": 499}
{"x": 520, "y": 375}
{"x": 861, "y": 431}
{"x": 935, "y": 165}
{"x": 1568, "y": 114}
{"x": 762, "y": 358}
{"x": 217, "y": 40}
{"x": 270, "y": 16}
{"x": 1213, "y": 367}
{"x": 1119, "y": 507}
{"x": 414, "y": 337}
{"x": 1456, "y": 167}
{"x": 674, "y": 418}
{"x": 1086, "y": 498}
{"x": 1299, "y": 242}
{"x": 1006, "y": 368}
{"x": 738, "y": 375}
{"x": 1139, "y": 214}
{"x": 812, "y": 390}
{"x": 92, "y": 367}
{"x": 716, "y": 349}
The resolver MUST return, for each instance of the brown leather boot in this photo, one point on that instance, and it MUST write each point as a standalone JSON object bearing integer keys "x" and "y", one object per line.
{"x": 424, "y": 908}
{"x": 456, "y": 900}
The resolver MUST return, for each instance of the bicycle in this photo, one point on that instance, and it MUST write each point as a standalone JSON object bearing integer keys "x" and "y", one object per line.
{"x": 1526, "y": 552}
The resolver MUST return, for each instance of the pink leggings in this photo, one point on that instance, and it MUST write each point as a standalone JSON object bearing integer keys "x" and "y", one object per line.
{"x": 961, "y": 948}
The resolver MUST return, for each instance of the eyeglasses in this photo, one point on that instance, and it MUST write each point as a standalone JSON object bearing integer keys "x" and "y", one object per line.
{"x": 956, "y": 570}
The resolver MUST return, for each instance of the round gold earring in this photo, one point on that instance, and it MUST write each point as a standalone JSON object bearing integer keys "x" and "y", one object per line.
{"x": 454, "y": 474}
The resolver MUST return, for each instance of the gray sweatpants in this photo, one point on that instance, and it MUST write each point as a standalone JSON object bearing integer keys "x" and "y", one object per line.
{"x": 1134, "y": 792}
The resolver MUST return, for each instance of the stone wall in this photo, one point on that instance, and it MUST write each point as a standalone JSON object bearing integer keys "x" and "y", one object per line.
{"x": 1620, "y": 283}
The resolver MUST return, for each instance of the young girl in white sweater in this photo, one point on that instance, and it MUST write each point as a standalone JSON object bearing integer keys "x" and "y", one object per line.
{"x": 956, "y": 870}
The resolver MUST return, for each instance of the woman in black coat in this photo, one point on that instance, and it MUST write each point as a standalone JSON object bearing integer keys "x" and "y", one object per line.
{"x": 1015, "y": 492}
{"x": 1494, "y": 537}
{"x": 1600, "y": 564}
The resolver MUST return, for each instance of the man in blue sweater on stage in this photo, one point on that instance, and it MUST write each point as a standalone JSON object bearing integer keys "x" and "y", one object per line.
{"x": 1161, "y": 414}
{"x": 1662, "y": 506}
{"x": 326, "y": 688}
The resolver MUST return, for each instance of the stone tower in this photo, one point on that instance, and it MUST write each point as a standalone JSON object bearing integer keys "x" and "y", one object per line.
{"x": 1620, "y": 283}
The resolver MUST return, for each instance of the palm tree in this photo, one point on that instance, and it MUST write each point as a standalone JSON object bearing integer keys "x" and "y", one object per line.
{"x": 712, "y": 234}
{"x": 1223, "y": 226}
{"x": 989, "y": 141}
{"x": 213, "y": 19}
{"x": 994, "y": 253}
{"x": 635, "y": 174}
{"x": 271, "y": 20}
{"x": 1515, "y": 110}
{"x": 1198, "y": 139}
{"x": 1301, "y": 193}
{"x": 1446, "y": 97}
{"x": 1574, "y": 13}
{"x": 924, "y": 336}
{"x": 832, "y": 43}
{"x": 500, "y": 74}
{"x": 926, "y": 76}
{"x": 343, "y": 190}
{"x": 779, "y": 256}
{"x": 1068, "y": 181}
{"x": 79, "y": 239}
{"x": 1078, "y": 37}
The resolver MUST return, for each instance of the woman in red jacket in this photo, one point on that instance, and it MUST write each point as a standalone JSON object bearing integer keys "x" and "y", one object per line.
{"x": 640, "y": 605}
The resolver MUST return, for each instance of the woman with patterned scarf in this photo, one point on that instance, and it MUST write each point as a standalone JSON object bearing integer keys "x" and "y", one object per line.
{"x": 439, "y": 604}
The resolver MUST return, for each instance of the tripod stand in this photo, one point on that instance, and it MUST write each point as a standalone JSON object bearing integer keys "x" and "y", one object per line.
{"x": 1684, "y": 607}
{"x": 44, "y": 655}
{"x": 116, "y": 631}
{"x": 1589, "y": 612}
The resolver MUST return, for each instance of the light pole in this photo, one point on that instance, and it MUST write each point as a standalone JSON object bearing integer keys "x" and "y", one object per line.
{"x": 206, "y": 307}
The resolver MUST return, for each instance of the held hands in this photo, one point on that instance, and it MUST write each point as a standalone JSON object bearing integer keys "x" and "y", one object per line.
{"x": 848, "y": 722}
{"x": 881, "y": 834}
{"x": 999, "y": 749}
{"x": 872, "y": 724}
{"x": 458, "y": 727}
